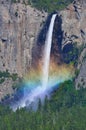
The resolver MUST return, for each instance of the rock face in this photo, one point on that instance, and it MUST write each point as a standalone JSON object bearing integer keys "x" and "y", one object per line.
{"x": 73, "y": 23}
{"x": 6, "y": 88}
{"x": 19, "y": 27}
{"x": 81, "y": 78}
{"x": 74, "y": 31}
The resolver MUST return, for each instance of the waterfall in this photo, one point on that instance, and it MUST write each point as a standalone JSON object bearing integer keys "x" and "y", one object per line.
{"x": 46, "y": 55}
{"x": 32, "y": 89}
{"x": 40, "y": 90}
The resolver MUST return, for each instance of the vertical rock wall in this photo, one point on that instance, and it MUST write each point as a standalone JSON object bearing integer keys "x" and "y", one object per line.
{"x": 19, "y": 27}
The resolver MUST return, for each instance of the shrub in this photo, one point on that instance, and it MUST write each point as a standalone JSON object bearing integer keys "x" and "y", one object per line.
{"x": 77, "y": 71}
{"x": 14, "y": 77}
{"x": 2, "y": 80}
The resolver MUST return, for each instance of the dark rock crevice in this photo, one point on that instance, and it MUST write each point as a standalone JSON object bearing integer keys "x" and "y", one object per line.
{"x": 37, "y": 52}
{"x": 57, "y": 40}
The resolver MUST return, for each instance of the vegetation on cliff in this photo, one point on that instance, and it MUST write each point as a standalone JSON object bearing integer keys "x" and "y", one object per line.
{"x": 47, "y": 5}
{"x": 6, "y": 74}
{"x": 65, "y": 110}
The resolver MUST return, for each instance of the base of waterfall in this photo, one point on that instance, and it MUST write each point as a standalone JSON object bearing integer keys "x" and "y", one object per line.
{"x": 32, "y": 90}
{"x": 30, "y": 100}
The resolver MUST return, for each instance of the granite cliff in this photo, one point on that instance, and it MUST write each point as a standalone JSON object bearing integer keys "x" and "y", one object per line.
{"x": 74, "y": 27}
{"x": 19, "y": 27}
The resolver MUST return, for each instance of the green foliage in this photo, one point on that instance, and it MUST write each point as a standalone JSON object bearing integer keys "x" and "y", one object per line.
{"x": 6, "y": 74}
{"x": 64, "y": 111}
{"x": 14, "y": 76}
{"x": 2, "y": 80}
{"x": 77, "y": 71}
{"x": 14, "y": 1}
{"x": 47, "y": 5}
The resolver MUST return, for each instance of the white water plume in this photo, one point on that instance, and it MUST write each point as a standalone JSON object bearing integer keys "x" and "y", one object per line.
{"x": 47, "y": 50}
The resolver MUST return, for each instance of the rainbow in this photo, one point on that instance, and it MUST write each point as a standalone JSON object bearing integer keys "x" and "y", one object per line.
{"x": 32, "y": 88}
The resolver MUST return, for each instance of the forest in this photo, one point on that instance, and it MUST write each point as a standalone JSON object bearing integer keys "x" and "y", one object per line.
{"x": 65, "y": 110}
